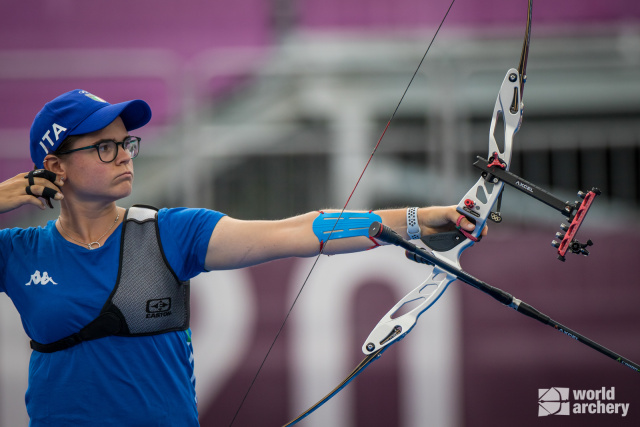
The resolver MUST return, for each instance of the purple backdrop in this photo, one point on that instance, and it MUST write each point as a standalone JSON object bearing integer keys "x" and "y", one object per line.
{"x": 506, "y": 357}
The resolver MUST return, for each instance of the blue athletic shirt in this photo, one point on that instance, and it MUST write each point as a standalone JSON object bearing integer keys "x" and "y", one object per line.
{"x": 58, "y": 287}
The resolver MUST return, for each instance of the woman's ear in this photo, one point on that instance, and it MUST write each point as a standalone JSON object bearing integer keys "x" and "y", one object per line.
{"x": 52, "y": 163}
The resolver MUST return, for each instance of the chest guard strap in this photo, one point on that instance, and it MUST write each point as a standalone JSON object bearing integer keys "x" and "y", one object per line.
{"x": 148, "y": 298}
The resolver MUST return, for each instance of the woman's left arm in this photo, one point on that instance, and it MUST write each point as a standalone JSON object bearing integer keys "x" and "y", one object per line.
{"x": 236, "y": 243}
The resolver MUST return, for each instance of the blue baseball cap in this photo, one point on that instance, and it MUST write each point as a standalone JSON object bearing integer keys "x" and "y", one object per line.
{"x": 76, "y": 113}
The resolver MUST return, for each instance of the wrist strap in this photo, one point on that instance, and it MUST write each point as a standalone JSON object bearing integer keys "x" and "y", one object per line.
{"x": 413, "y": 229}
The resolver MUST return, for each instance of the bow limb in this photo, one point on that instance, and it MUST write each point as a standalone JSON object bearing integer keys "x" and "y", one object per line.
{"x": 361, "y": 367}
{"x": 524, "y": 56}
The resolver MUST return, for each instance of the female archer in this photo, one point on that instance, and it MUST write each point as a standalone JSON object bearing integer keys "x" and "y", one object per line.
{"x": 103, "y": 291}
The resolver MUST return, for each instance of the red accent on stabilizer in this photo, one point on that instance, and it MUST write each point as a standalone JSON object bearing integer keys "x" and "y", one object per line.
{"x": 576, "y": 223}
{"x": 495, "y": 161}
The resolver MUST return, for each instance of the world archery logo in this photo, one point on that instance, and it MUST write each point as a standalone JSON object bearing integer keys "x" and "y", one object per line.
{"x": 553, "y": 401}
{"x": 158, "y": 307}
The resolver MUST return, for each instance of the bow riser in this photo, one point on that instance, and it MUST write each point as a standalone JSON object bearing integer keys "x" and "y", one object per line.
{"x": 509, "y": 108}
{"x": 391, "y": 329}
{"x": 479, "y": 201}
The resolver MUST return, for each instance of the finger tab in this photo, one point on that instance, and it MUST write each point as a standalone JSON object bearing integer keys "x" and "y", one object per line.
{"x": 41, "y": 173}
{"x": 49, "y": 193}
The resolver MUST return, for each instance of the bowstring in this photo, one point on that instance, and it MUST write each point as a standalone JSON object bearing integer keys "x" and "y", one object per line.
{"x": 317, "y": 258}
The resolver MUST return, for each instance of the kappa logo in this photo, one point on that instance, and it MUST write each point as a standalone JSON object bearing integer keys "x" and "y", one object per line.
{"x": 158, "y": 307}
{"x": 38, "y": 279}
{"x": 553, "y": 401}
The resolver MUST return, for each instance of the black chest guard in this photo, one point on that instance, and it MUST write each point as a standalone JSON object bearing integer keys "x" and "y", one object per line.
{"x": 148, "y": 298}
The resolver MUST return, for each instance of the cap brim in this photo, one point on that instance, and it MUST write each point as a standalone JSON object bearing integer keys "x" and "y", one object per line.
{"x": 134, "y": 114}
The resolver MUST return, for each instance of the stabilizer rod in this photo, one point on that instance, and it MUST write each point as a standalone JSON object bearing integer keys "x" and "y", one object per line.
{"x": 413, "y": 252}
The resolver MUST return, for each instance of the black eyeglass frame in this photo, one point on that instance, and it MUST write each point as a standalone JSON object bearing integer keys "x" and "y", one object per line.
{"x": 128, "y": 140}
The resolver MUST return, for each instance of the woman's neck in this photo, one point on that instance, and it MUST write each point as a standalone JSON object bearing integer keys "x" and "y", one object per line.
{"x": 84, "y": 224}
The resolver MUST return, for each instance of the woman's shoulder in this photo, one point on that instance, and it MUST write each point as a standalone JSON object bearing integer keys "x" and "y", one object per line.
{"x": 27, "y": 233}
{"x": 185, "y": 223}
{"x": 188, "y": 214}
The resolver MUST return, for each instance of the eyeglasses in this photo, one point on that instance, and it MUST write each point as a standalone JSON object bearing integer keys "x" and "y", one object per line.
{"x": 108, "y": 149}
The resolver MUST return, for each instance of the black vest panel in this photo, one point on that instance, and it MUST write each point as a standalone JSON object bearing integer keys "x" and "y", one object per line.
{"x": 148, "y": 298}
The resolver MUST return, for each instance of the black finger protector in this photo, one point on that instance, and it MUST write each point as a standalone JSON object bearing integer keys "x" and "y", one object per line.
{"x": 41, "y": 173}
{"x": 47, "y": 193}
